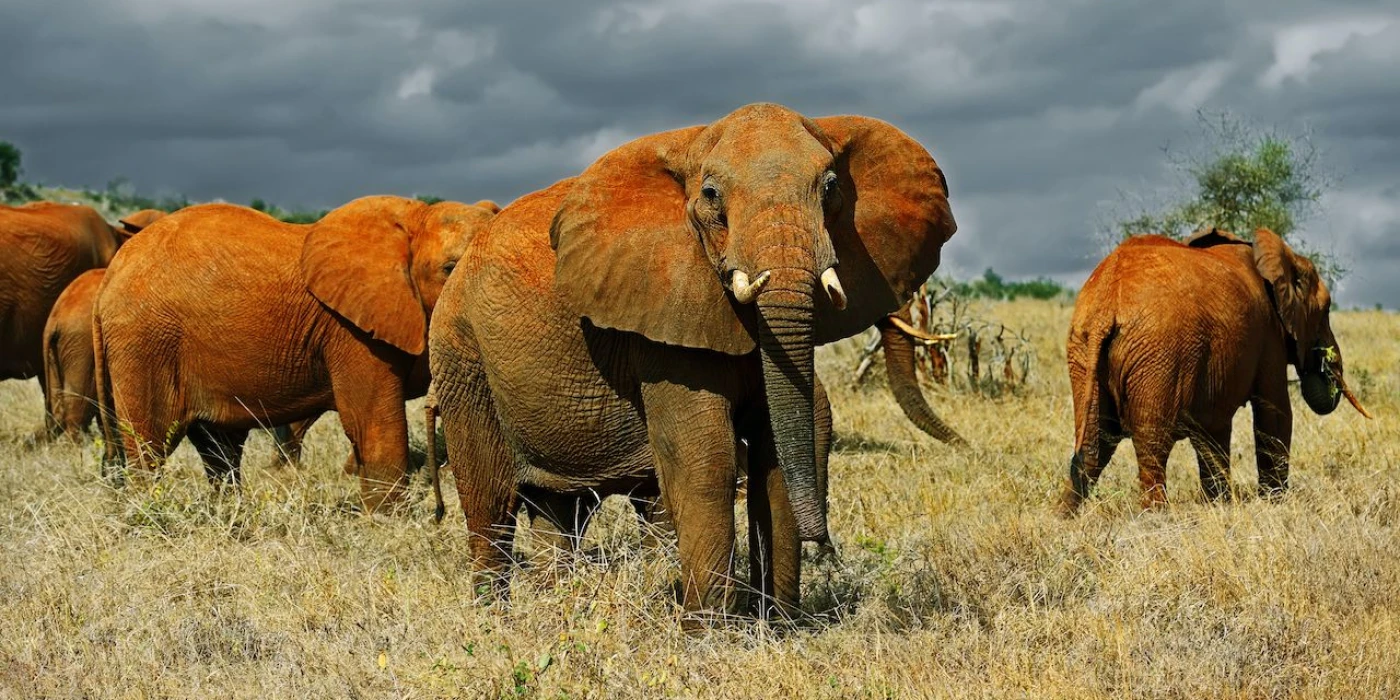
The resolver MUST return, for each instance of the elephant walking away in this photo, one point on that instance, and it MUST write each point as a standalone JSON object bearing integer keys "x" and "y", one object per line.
{"x": 1169, "y": 340}
{"x": 44, "y": 246}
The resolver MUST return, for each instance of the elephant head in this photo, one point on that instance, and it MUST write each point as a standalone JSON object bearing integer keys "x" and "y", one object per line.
{"x": 381, "y": 262}
{"x": 134, "y": 222}
{"x": 1304, "y": 307}
{"x": 762, "y": 230}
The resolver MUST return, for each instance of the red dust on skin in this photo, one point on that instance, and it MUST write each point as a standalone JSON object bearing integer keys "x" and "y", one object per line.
{"x": 276, "y": 323}
{"x": 1170, "y": 339}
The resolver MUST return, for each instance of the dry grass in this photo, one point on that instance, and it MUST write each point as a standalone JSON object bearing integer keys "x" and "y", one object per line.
{"x": 954, "y": 578}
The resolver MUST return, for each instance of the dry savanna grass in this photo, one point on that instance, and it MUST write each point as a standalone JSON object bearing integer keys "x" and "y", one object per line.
{"x": 953, "y": 580}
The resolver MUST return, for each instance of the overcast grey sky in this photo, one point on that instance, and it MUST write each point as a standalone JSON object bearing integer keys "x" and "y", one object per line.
{"x": 1040, "y": 112}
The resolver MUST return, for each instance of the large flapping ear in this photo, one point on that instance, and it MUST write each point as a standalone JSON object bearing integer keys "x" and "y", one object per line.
{"x": 893, "y": 221}
{"x": 1276, "y": 264}
{"x": 1211, "y": 237}
{"x": 628, "y": 258}
{"x": 360, "y": 269}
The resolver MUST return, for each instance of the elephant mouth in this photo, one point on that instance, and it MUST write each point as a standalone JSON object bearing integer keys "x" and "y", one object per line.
{"x": 1320, "y": 392}
{"x": 1324, "y": 386}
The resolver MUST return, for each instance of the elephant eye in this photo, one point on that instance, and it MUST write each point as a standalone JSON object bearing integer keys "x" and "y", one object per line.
{"x": 831, "y": 191}
{"x": 709, "y": 191}
{"x": 449, "y": 267}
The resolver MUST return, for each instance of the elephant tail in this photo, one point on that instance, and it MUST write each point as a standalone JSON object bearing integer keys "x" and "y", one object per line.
{"x": 430, "y": 414}
{"x": 106, "y": 408}
{"x": 1089, "y": 385}
{"x": 53, "y": 380}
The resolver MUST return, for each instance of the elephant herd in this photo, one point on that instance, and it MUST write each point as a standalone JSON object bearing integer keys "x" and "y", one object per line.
{"x": 645, "y": 328}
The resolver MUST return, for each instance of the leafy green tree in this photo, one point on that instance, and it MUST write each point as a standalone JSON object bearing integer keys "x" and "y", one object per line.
{"x": 10, "y": 169}
{"x": 1238, "y": 177}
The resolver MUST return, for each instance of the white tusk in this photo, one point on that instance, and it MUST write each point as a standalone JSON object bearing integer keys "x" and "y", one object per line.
{"x": 833, "y": 288}
{"x": 918, "y": 335}
{"x": 744, "y": 291}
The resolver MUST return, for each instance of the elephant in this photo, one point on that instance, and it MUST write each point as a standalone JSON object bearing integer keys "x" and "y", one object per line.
{"x": 650, "y": 317}
{"x": 44, "y": 246}
{"x": 67, "y": 346}
{"x": 1168, "y": 340}
{"x": 219, "y": 319}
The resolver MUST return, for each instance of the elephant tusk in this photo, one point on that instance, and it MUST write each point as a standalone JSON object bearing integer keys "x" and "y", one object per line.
{"x": 1351, "y": 398}
{"x": 744, "y": 291}
{"x": 921, "y": 336}
{"x": 833, "y": 288}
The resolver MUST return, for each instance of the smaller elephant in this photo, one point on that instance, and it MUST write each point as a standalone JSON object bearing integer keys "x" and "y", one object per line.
{"x": 68, "y": 357}
{"x": 44, "y": 246}
{"x": 1169, "y": 340}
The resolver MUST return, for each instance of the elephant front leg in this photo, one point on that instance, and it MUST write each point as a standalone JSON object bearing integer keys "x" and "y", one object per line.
{"x": 483, "y": 468}
{"x": 1213, "y": 462}
{"x": 371, "y": 406}
{"x": 1273, "y": 438}
{"x": 692, "y": 438}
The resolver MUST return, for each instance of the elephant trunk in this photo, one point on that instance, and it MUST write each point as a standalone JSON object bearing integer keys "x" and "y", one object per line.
{"x": 904, "y": 383}
{"x": 1324, "y": 386}
{"x": 786, "y": 339}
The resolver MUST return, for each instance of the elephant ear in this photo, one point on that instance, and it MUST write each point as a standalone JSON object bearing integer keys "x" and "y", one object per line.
{"x": 628, "y": 258}
{"x": 489, "y": 205}
{"x": 1209, "y": 238}
{"x": 892, "y": 224}
{"x": 362, "y": 273}
{"x": 1278, "y": 265}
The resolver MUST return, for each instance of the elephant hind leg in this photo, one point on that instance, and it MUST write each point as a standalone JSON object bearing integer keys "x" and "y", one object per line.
{"x": 221, "y": 450}
{"x": 1153, "y": 447}
{"x": 567, "y": 513}
{"x": 1087, "y": 463}
{"x": 1213, "y": 461}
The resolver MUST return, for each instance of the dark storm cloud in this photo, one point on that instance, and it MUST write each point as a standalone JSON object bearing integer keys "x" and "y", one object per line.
{"x": 1039, "y": 112}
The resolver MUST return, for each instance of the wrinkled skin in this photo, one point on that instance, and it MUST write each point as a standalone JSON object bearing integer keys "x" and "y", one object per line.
{"x": 276, "y": 323}
{"x": 67, "y": 345}
{"x": 600, "y": 336}
{"x": 1169, "y": 340}
{"x": 44, "y": 246}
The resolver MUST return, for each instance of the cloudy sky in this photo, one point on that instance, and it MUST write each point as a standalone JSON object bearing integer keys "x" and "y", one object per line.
{"x": 1040, "y": 112}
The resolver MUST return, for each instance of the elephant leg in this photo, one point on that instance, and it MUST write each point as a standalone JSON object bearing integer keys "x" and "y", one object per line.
{"x": 1273, "y": 436}
{"x": 369, "y": 397}
{"x": 692, "y": 439}
{"x": 1213, "y": 462}
{"x": 483, "y": 467}
{"x": 775, "y": 552}
{"x": 1153, "y": 447}
{"x": 52, "y": 398}
{"x": 1087, "y": 465}
{"x": 288, "y": 441}
{"x": 221, "y": 450}
{"x": 568, "y": 514}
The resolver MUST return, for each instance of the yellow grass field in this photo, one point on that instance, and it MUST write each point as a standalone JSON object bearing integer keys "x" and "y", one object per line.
{"x": 954, "y": 578}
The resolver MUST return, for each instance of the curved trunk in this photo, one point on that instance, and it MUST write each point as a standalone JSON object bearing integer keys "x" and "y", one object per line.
{"x": 904, "y": 383}
{"x": 786, "y": 341}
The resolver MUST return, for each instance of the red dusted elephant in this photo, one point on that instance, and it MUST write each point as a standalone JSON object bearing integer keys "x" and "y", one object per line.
{"x": 647, "y": 318}
{"x": 71, "y": 391}
{"x": 44, "y": 246}
{"x": 1169, "y": 340}
{"x": 219, "y": 319}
